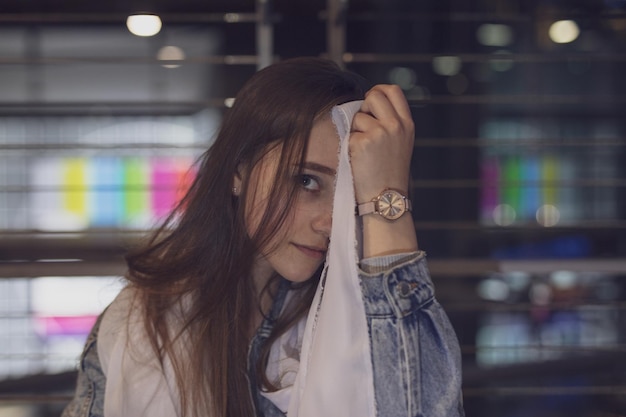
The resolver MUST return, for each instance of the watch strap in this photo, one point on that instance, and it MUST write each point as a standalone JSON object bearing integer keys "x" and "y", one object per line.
{"x": 366, "y": 208}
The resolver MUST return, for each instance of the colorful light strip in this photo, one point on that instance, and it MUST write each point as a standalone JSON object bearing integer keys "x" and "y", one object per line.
{"x": 524, "y": 183}
{"x": 114, "y": 191}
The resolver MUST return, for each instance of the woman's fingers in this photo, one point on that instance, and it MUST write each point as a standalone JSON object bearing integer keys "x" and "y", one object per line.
{"x": 385, "y": 100}
{"x": 381, "y": 143}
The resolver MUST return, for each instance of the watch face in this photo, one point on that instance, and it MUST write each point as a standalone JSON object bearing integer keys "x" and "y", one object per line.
{"x": 391, "y": 205}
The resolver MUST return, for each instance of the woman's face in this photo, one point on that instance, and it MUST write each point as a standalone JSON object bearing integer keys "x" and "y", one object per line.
{"x": 299, "y": 248}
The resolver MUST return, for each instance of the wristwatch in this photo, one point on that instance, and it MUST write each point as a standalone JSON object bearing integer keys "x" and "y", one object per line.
{"x": 390, "y": 204}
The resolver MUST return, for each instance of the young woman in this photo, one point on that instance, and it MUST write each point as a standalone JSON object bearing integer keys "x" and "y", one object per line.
{"x": 237, "y": 263}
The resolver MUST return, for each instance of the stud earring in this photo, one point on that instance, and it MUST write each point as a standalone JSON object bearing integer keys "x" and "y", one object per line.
{"x": 235, "y": 191}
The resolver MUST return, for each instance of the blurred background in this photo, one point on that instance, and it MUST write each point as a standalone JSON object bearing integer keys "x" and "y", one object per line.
{"x": 518, "y": 179}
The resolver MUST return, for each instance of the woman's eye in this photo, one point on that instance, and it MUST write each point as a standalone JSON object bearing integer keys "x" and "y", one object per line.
{"x": 309, "y": 183}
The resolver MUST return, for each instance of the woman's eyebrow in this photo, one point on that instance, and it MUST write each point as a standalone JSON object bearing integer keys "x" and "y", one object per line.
{"x": 313, "y": 166}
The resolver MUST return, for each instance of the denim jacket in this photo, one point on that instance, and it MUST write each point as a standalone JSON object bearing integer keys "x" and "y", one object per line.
{"x": 415, "y": 353}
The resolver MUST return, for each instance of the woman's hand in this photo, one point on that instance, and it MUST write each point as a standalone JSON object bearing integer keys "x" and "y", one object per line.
{"x": 381, "y": 143}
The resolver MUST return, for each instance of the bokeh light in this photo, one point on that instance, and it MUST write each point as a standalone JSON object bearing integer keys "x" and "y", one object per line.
{"x": 447, "y": 65}
{"x": 504, "y": 215}
{"x": 457, "y": 84}
{"x": 500, "y": 62}
{"x": 144, "y": 24}
{"x": 548, "y": 215}
{"x": 404, "y": 77}
{"x": 490, "y": 34}
{"x": 171, "y": 53}
{"x": 564, "y": 31}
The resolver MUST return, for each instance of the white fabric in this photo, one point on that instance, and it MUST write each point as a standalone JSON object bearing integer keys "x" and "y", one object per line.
{"x": 135, "y": 384}
{"x": 334, "y": 375}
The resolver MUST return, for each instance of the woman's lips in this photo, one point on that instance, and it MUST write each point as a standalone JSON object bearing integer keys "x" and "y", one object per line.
{"x": 312, "y": 252}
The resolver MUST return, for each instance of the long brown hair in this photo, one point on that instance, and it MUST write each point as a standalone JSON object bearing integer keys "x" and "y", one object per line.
{"x": 203, "y": 254}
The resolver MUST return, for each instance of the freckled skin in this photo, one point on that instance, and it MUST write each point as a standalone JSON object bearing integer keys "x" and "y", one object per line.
{"x": 300, "y": 246}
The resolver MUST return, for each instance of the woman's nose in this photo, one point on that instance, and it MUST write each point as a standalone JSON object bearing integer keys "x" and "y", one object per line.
{"x": 322, "y": 222}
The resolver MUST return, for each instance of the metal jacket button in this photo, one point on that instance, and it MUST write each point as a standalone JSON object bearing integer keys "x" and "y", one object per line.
{"x": 405, "y": 289}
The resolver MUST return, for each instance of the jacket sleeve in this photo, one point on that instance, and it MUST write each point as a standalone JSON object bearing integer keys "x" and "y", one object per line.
{"x": 415, "y": 352}
{"x": 88, "y": 397}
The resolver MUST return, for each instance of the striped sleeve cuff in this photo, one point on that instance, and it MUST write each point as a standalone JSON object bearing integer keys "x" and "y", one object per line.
{"x": 380, "y": 264}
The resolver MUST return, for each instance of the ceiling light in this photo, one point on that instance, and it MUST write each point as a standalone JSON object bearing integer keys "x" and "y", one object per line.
{"x": 143, "y": 24}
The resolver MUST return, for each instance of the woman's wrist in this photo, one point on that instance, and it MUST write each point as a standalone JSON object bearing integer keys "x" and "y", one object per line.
{"x": 384, "y": 237}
